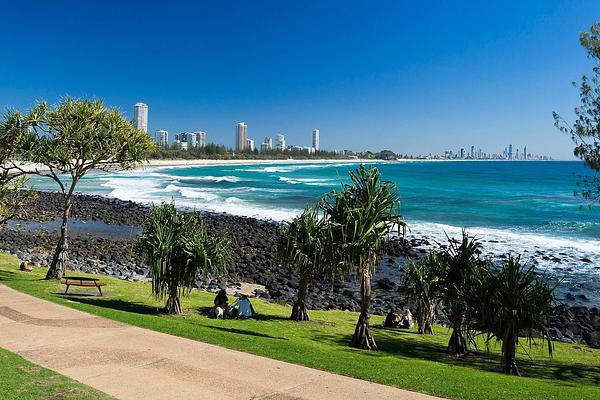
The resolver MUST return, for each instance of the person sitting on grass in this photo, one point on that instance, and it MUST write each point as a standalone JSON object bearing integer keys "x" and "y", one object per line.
{"x": 221, "y": 303}
{"x": 25, "y": 266}
{"x": 242, "y": 308}
{"x": 407, "y": 321}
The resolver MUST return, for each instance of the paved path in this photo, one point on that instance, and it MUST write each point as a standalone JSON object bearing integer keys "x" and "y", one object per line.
{"x": 134, "y": 363}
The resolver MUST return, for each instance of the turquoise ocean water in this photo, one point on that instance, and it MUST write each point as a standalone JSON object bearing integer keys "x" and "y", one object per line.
{"x": 523, "y": 207}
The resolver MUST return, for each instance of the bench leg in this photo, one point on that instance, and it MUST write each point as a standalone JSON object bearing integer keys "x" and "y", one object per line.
{"x": 66, "y": 289}
{"x": 100, "y": 290}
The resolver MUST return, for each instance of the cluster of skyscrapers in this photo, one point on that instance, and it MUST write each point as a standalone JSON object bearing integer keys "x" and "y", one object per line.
{"x": 189, "y": 140}
{"x": 507, "y": 154}
{"x": 243, "y": 142}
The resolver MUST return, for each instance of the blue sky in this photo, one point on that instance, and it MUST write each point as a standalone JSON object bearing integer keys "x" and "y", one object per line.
{"x": 414, "y": 77}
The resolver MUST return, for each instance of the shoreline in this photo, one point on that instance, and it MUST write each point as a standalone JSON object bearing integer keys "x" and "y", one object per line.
{"x": 208, "y": 162}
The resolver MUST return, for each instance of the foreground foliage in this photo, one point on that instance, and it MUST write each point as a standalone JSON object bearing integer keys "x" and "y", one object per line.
{"x": 405, "y": 359}
{"x": 68, "y": 140}
{"x": 512, "y": 301}
{"x": 361, "y": 215}
{"x": 585, "y": 130}
{"x": 304, "y": 244}
{"x": 179, "y": 250}
{"x": 421, "y": 283}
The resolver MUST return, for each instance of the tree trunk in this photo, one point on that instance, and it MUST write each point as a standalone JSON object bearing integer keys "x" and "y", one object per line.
{"x": 299, "y": 311}
{"x": 173, "y": 305}
{"x": 457, "y": 345}
{"x": 509, "y": 350}
{"x": 59, "y": 260}
{"x": 362, "y": 338}
{"x": 425, "y": 321}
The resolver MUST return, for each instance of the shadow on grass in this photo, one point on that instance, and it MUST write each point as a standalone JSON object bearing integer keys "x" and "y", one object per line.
{"x": 412, "y": 345}
{"x": 7, "y": 276}
{"x": 208, "y": 312}
{"x": 116, "y": 304}
{"x": 245, "y": 332}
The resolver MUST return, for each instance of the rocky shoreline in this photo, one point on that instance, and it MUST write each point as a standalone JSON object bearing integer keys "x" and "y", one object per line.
{"x": 252, "y": 258}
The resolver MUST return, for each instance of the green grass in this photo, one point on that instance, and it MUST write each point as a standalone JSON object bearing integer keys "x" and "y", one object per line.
{"x": 22, "y": 380}
{"x": 406, "y": 359}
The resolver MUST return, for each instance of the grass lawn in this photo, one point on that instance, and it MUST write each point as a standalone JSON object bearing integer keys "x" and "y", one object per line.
{"x": 406, "y": 359}
{"x": 22, "y": 380}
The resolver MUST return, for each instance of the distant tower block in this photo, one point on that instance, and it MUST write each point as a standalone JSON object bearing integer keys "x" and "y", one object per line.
{"x": 140, "y": 116}
{"x": 280, "y": 141}
{"x": 316, "y": 140}
{"x": 241, "y": 136}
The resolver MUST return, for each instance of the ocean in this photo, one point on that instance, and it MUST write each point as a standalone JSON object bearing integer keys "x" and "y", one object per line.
{"x": 526, "y": 208}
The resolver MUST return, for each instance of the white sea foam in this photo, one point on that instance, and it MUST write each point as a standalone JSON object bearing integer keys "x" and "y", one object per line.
{"x": 307, "y": 181}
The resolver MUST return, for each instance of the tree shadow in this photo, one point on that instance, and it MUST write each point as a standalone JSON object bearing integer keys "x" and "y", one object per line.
{"x": 407, "y": 344}
{"x": 116, "y": 304}
{"x": 237, "y": 331}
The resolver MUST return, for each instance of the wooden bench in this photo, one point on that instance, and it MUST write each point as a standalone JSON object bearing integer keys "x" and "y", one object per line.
{"x": 83, "y": 281}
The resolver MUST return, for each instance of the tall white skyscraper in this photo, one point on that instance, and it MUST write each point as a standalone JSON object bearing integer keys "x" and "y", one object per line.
{"x": 250, "y": 144}
{"x": 192, "y": 139}
{"x": 162, "y": 138}
{"x": 201, "y": 136}
{"x": 316, "y": 140}
{"x": 280, "y": 141}
{"x": 140, "y": 116}
{"x": 267, "y": 144}
{"x": 241, "y": 135}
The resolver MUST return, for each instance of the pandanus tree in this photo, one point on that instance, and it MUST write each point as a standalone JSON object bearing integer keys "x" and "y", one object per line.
{"x": 303, "y": 244}
{"x": 512, "y": 301}
{"x": 64, "y": 142}
{"x": 362, "y": 215}
{"x": 179, "y": 249}
{"x": 421, "y": 282}
{"x": 462, "y": 271}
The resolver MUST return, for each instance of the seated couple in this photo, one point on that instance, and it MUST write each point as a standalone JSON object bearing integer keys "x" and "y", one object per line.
{"x": 241, "y": 308}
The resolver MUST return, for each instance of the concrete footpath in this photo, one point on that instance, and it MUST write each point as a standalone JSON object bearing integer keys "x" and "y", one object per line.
{"x": 134, "y": 363}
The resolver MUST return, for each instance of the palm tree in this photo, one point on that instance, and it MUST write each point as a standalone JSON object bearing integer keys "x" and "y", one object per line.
{"x": 178, "y": 249}
{"x": 361, "y": 216}
{"x": 512, "y": 301}
{"x": 462, "y": 271}
{"x": 303, "y": 244}
{"x": 421, "y": 283}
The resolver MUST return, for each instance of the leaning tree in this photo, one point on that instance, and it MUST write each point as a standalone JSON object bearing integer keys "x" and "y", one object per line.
{"x": 303, "y": 244}
{"x": 63, "y": 142}
{"x": 362, "y": 215}
{"x": 421, "y": 283}
{"x": 462, "y": 271}
{"x": 513, "y": 302}
{"x": 179, "y": 249}
{"x": 585, "y": 130}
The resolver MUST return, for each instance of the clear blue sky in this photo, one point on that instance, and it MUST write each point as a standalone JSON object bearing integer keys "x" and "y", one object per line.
{"x": 414, "y": 77}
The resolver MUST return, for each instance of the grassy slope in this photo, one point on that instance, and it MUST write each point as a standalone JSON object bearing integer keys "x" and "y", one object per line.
{"x": 405, "y": 359}
{"x": 20, "y": 380}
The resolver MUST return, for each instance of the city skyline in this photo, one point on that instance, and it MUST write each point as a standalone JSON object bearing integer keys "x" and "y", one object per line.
{"x": 418, "y": 80}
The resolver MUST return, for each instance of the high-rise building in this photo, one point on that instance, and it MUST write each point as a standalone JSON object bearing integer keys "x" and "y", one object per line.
{"x": 280, "y": 143}
{"x": 525, "y": 153}
{"x": 267, "y": 144}
{"x": 510, "y": 152}
{"x": 473, "y": 152}
{"x": 162, "y": 138}
{"x": 192, "y": 139}
{"x": 462, "y": 152}
{"x": 140, "y": 116}
{"x": 241, "y": 135}
{"x": 250, "y": 144}
{"x": 201, "y": 137}
{"x": 316, "y": 139}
